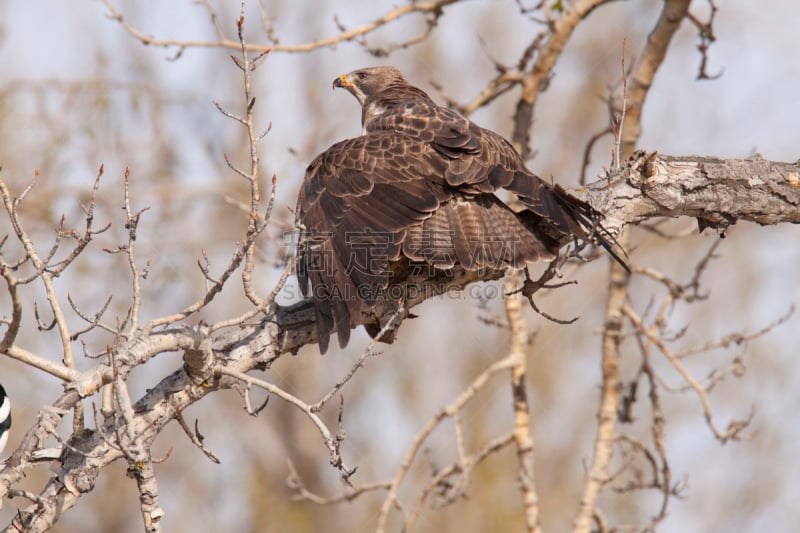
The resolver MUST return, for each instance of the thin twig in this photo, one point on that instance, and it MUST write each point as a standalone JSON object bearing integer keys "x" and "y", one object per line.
{"x": 456, "y": 405}
{"x": 328, "y": 438}
{"x": 423, "y": 8}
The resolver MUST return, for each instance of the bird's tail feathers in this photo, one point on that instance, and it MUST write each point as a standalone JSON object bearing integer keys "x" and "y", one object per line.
{"x": 562, "y": 215}
{"x": 588, "y": 218}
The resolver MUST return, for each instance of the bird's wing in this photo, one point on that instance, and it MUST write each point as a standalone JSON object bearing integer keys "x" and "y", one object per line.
{"x": 482, "y": 161}
{"x": 356, "y": 204}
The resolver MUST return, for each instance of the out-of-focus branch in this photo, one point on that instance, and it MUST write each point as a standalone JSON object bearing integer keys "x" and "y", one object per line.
{"x": 523, "y": 438}
{"x": 295, "y": 484}
{"x": 428, "y": 9}
{"x": 451, "y": 410}
{"x": 549, "y": 44}
{"x": 655, "y": 50}
{"x": 628, "y": 110}
{"x": 536, "y": 79}
{"x": 706, "y": 34}
{"x": 735, "y": 428}
{"x": 462, "y": 469}
{"x": 597, "y": 475}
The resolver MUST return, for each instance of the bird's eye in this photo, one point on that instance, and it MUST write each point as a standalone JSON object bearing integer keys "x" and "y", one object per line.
{"x": 361, "y": 76}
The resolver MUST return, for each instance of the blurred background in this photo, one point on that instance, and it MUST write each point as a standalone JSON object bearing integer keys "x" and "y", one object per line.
{"x": 77, "y": 91}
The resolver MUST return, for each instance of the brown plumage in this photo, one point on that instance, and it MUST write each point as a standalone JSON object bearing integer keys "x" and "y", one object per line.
{"x": 419, "y": 185}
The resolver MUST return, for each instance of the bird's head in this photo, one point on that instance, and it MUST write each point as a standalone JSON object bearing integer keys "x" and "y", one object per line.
{"x": 366, "y": 82}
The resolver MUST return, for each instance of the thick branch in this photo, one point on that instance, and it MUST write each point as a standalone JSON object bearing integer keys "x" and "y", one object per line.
{"x": 717, "y": 192}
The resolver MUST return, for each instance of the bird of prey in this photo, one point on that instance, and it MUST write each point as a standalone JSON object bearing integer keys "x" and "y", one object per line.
{"x": 5, "y": 418}
{"x": 419, "y": 185}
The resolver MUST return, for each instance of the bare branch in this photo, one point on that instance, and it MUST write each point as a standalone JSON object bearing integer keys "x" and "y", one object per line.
{"x": 598, "y": 474}
{"x": 522, "y": 435}
{"x": 330, "y": 440}
{"x": 735, "y": 428}
{"x": 450, "y": 410}
{"x": 717, "y": 192}
{"x": 40, "y": 266}
{"x": 537, "y": 76}
{"x": 432, "y": 8}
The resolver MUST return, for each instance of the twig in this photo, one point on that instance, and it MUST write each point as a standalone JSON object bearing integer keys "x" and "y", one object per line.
{"x": 368, "y": 352}
{"x": 295, "y": 483}
{"x": 450, "y": 410}
{"x": 707, "y": 37}
{"x": 424, "y": 8}
{"x": 331, "y": 442}
{"x": 618, "y": 124}
{"x": 196, "y": 438}
{"x": 131, "y": 225}
{"x": 735, "y": 428}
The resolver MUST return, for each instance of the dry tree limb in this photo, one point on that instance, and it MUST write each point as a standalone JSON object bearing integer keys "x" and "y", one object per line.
{"x": 450, "y": 410}
{"x": 429, "y": 9}
{"x": 716, "y": 192}
{"x": 597, "y": 476}
{"x": 538, "y": 73}
{"x": 522, "y": 435}
{"x": 631, "y": 106}
{"x": 330, "y": 438}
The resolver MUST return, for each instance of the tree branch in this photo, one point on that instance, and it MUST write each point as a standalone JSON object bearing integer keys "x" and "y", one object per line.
{"x": 717, "y": 192}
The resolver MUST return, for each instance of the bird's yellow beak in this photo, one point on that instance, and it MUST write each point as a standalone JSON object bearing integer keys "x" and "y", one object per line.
{"x": 342, "y": 81}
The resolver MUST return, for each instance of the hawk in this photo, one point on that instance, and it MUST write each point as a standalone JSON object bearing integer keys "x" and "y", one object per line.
{"x": 419, "y": 186}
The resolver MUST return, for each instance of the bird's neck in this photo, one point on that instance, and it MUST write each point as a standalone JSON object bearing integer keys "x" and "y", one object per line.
{"x": 382, "y": 114}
